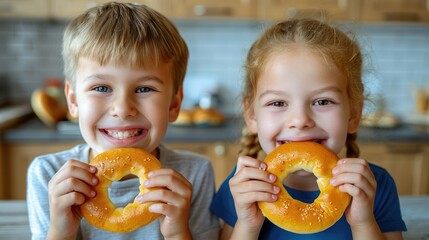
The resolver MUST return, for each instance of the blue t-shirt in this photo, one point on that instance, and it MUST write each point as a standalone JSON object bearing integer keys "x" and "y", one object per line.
{"x": 386, "y": 210}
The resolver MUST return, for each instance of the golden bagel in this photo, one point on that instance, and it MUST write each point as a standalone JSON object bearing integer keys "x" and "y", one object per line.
{"x": 296, "y": 216}
{"x": 113, "y": 165}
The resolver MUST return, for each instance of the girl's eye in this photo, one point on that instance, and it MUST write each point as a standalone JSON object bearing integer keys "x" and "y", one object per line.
{"x": 102, "y": 89}
{"x": 144, "y": 89}
{"x": 277, "y": 104}
{"x": 322, "y": 102}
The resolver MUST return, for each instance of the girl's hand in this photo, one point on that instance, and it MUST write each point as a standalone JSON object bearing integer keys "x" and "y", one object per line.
{"x": 250, "y": 184}
{"x": 68, "y": 189}
{"x": 355, "y": 177}
{"x": 173, "y": 202}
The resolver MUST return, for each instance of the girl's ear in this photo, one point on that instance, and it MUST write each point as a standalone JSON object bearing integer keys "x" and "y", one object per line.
{"x": 175, "y": 104}
{"x": 354, "y": 120}
{"x": 71, "y": 100}
{"x": 249, "y": 117}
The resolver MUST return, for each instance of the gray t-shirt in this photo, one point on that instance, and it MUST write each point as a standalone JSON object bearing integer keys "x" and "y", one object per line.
{"x": 197, "y": 169}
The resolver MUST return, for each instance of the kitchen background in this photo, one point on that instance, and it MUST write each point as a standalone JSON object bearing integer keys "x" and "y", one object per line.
{"x": 394, "y": 36}
{"x": 397, "y": 59}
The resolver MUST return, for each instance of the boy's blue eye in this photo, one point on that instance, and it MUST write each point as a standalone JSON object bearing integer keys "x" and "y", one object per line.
{"x": 144, "y": 89}
{"x": 102, "y": 89}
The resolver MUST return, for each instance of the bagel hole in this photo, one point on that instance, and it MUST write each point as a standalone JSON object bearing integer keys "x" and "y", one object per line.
{"x": 305, "y": 181}
{"x": 117, "y": 193}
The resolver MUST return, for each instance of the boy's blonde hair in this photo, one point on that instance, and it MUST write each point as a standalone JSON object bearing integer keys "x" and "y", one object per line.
{"x": 334, "y": 45}
{"x": 124, "y": 33}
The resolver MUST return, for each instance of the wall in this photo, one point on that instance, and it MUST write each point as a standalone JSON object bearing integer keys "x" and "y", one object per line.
{"x": 398, "y": 58}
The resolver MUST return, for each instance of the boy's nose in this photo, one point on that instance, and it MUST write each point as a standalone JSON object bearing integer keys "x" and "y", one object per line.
{"x": 123, "y": 107}
{"x": 300, "y": 118}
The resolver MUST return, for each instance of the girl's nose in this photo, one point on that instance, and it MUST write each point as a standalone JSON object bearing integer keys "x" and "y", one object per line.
{"x": 300, "y": 118}
{"x": 123, "y": 107}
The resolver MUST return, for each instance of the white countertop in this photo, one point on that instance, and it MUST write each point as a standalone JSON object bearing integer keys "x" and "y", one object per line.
{"x": 415, "y": 212}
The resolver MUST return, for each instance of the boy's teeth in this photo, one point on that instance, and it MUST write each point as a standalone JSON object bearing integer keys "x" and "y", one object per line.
{"x": 122, "y": 134}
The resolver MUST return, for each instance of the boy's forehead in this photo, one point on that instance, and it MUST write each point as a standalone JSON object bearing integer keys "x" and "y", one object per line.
{"x": 148, "y": 63}
{"x": 87, "y": 67}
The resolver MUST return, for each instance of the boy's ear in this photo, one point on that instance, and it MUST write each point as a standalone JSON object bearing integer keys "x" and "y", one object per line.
{"x": 71, "y": 100}
{"x": 355, "y": 118}
{"x": 249, "y": 117}
{"x": 175, "y": 104}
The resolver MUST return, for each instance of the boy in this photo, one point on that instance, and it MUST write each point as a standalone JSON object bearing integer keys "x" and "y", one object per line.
{"x": 124, "y": 68}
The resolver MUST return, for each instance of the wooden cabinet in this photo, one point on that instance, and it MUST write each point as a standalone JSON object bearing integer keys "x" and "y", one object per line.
{"x": 24, "y": 8}
{"x": 225, "y": 9}
{"x": 394, "y": 11}
{"x": 2, "y": 172}
{"x": 71, "y": 8}
{"x": 17, "y": 158}
{"x": 333, "y": 10}
{"x": 408, "y": 163}
{"x": 223, "y": 156}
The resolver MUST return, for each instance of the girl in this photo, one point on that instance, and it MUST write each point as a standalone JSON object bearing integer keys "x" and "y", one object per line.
{"x": 304, "y": 83}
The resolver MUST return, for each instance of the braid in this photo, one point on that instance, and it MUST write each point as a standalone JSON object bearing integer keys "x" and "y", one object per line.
{"x": 249, "y": 145}
{"x": 352, "y": 149}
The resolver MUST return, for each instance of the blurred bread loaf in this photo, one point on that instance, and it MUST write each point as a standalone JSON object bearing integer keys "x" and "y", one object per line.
{"x": 208, "y": 116}
{"x": 200, "y": 117}
{"x": 184, "y": 118}
{"x": 49, "y": 109}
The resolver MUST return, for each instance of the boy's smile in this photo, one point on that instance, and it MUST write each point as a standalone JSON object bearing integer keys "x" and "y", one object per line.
{"x": 124, "y": 137}
{"x": 123, "y": 134}
{"x": 120, "y": 106}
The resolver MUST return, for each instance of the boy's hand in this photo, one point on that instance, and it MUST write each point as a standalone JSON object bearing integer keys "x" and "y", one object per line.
{"x": 250, "y": 184}
{"x": 68, "y": 189}
{"x": 354, "y": 176}
{"x": 174, "y": 202}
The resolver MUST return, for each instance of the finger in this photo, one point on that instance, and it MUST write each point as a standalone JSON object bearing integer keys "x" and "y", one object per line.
{"x": 358, "y": 166}
{"x": 165, "y": 209}
{"x": 245, "y": 161}
{"x": 164, "y": 196}
{"x": 356, "y": 180}
{"x": 355, "y": 192}
{"x": 63, "y": 202}
{"x": 73, "y": 185}
{"x": 255, "y": 186}
{"x": 170, "y": 183}
{"x": 253, "y": 197}
{"x": 155, "y": 178}
{"x": 76, "y": 169}
{"x": 250, "y": 173}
